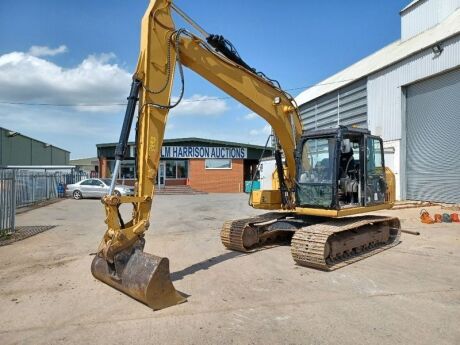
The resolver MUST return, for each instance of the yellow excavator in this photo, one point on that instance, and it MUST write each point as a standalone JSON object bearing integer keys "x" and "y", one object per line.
{"x": 324, "y": 177}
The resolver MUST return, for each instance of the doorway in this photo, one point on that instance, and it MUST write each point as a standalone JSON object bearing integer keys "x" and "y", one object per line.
{"x": 161, "y": 175}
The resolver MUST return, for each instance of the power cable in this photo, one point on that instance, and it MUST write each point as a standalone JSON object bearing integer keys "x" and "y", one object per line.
{"x": 124, "y": 104}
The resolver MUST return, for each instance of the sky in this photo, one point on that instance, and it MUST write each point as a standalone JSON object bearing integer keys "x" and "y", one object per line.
{"x": 82, "y": 53}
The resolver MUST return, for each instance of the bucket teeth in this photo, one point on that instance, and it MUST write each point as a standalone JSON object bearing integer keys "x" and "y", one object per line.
{"x": 140, "y": 275}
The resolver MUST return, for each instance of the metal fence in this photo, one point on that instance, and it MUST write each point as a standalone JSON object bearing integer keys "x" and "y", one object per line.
{"x": 21, "y": 188}
{"x": 7, "y": 202}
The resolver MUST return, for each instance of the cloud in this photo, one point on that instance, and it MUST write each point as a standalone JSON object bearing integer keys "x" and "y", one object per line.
{"x": 28, "y": 78}
{"x": 94, "y": 87}
{"x": 47, "y": 51}
{"x": 90, "y": 86}
{"x": 199, "y": 105}
{"x": 78, "y": 132}
{"x": 51, "y": 121}
{"x": 251, "y": 116}
{"x": 266, "y": 130}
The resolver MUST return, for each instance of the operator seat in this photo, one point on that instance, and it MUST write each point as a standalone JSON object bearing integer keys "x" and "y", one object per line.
{"x": 324, "y": 169}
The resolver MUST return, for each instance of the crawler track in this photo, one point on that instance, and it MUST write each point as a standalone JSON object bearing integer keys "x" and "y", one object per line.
{"x": 326, "y": 245}
{"x": 310, "y": 245}
{"x": 243, "y": 236}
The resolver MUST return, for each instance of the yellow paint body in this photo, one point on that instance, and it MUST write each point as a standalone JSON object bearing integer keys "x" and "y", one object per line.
{"x": 270, "y": 199}
{"x": 266, "y": 199}
{"x": 341, "y": 213}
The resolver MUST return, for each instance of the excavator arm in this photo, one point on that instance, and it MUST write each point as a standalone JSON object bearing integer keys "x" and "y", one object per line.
{"x": 162, "y": 49}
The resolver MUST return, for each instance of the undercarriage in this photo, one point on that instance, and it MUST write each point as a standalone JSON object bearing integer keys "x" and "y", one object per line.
{"x": 318, "y": 242}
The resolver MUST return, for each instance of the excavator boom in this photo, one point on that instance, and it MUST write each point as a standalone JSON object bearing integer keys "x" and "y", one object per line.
{"x": 120, "y": 261}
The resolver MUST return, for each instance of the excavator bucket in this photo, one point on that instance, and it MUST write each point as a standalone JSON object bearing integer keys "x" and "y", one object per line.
{"x": 140, "y": 275}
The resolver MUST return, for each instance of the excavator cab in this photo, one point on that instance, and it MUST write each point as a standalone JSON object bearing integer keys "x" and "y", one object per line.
{"x": 340, "y": 172}
{"x": 339, "y": 169}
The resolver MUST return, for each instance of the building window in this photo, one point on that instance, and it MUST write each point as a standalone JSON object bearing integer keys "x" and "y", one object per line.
{"x": 126, "y": 169}
{"x": 176, "y": 169}
{"x": 218, "y": 163}
{"x": 181, "y": 170}
{"x": 170, "y": 169}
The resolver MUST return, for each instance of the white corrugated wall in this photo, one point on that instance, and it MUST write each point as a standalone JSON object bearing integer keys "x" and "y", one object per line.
{"x": 432, "y": 139}
{"x": 346, "y": 106}
{"x": 386, "y": 101}
{"x": 384, "y": 92}
{"x": 425, "y": 15}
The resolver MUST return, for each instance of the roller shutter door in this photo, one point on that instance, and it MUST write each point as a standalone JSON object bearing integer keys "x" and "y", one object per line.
{"x": 346, "y": 106}
{"x": 433, "y": 139}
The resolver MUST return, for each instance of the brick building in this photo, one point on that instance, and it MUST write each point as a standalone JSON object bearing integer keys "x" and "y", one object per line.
{"x": 203, "y": 164}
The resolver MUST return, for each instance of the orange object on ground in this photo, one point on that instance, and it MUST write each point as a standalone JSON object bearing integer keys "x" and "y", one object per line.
{"x": 425, "y": 217}
{"x": 454, "y": 217}
{"x": 438, "y": 218}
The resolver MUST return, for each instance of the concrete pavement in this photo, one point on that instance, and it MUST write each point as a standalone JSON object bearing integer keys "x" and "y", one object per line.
{"x": 409, "y": 294}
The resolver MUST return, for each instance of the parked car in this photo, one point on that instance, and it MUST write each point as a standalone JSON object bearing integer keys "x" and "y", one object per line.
{"x": 96, "y": 188}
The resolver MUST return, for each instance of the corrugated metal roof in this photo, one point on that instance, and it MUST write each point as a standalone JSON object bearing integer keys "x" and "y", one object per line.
{"x": 412, "y": 3}
{"x": 38, "y": 167}
{"x": 84, "y": 161}
{"x": 386, "y": 56}
{"x": 39, "y": 141}
{"x": 193, "y": 139}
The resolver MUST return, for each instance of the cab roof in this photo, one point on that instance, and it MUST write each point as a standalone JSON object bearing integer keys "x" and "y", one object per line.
{"x": 335, "y": 130}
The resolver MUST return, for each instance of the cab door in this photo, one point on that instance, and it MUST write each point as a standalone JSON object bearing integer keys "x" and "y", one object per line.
{"x": 374, "y": 172}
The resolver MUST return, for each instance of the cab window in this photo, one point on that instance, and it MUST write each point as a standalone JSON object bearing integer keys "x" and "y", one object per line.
{"x": 316, "y": 163}
{"x": 316, "y": 172}
{"x": 375, "y": 186}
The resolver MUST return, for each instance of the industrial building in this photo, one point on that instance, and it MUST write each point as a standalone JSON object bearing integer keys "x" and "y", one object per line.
{"x": 88, "y": 165}
{"x": 203, "y": 164}
{"x": 409, "y": 94}
{"x": 20, "y": 150}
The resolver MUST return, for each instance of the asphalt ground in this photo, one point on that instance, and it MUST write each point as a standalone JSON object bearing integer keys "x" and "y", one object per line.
{"x": 409, "y": 294}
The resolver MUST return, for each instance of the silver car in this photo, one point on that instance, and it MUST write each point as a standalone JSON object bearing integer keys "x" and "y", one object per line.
{"x": 96, "y": 188}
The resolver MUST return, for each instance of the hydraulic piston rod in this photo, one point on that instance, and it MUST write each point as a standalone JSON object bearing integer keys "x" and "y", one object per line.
{"x": 120, "y": 150}
{"x": 189, "y": 20}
